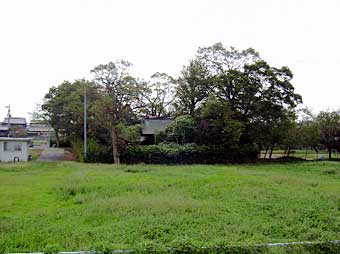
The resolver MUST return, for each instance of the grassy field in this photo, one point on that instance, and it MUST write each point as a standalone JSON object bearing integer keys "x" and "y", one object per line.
{"x": 73, "y": 206}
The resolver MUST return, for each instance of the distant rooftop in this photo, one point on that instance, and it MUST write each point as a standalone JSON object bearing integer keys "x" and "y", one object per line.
{"x": 15, "y": 120}
{"x": 39, "y": 129}
{"x": 38, "y": 122}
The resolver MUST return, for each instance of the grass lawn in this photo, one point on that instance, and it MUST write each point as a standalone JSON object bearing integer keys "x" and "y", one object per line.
{"x": 74, "y": 206}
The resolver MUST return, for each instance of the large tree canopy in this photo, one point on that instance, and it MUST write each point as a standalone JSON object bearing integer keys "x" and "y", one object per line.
{"x": 260, "y": 96}
{"x": 63, "y": 107}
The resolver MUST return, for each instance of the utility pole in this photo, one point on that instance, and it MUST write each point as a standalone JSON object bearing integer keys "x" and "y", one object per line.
{"x": 9, "y": 119}
{"x": 85, "y": 127}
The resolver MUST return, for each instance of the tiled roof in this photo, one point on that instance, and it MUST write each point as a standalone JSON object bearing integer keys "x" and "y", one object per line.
{"x": 39, "y": 129}
{"x": 15, "y": 120}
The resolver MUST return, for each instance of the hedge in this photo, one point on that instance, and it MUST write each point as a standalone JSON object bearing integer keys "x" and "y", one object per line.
{"x": 178, "y": 154}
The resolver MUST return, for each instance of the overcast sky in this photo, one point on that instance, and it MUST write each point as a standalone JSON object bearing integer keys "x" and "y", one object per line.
{"x": 44, "y": 42}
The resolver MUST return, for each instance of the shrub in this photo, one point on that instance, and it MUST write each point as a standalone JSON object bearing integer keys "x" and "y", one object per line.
{"x": 95, "y": 152}
{"x": 176, "y": 154}
{"x": 101, "y": 154}
{"x": 188, "y": 154}
{"x": 180, "y": 131}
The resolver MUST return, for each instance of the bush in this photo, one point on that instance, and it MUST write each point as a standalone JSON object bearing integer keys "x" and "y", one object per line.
{"x": 175, "y": 154}
{"x": 188, "y": 154}
{"x": 95, "y": 152}
{"x": 248, "y": 153}
{"x": 180, "y": 131}
{"x": 100, "y": 155}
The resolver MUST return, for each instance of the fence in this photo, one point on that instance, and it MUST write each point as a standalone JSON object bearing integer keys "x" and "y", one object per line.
{"x": 301, "y": 153}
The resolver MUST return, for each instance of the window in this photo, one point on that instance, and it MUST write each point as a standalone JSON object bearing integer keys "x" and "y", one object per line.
{"x": 6, "y": 147}
{"x": 17, "y": 147}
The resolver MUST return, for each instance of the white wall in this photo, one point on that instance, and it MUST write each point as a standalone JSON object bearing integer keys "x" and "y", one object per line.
{"x": 7, "y": 156}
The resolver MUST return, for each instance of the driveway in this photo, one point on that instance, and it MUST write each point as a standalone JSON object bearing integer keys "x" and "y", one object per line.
{"x": 52, "y": 154}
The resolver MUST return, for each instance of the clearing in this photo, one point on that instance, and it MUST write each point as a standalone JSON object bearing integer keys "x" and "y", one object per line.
{"x": 75, "y": 206}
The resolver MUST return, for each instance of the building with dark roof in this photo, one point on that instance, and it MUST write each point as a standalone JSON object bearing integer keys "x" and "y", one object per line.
{"x": 19, "y": 122}
{"x": 4, "y": 130}
{"x": 40, "y": 129}
{"x": 152, "y": 125}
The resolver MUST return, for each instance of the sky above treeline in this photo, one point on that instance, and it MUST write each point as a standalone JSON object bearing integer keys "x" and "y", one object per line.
{"x": 44, "y": 42}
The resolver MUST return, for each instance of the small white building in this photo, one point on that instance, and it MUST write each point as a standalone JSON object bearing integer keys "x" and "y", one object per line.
{"x": 14, "y": 149}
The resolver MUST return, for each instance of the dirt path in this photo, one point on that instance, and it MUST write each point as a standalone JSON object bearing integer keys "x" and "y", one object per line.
{"x": 52, "y": 154}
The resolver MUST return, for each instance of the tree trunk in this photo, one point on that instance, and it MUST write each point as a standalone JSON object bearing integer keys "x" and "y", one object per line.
{"x": 271, "y": 152}
{"x": 114, "y": 139}
{"x": 265, "y": 154}
{"x": 329, "y": 153}
{"x": 288, "y": 152}
{"x": 57, "y": 137}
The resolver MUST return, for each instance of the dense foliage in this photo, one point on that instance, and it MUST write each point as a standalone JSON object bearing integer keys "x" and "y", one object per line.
{"x": 223, "y": 98}
{"x": 189, "y": 154}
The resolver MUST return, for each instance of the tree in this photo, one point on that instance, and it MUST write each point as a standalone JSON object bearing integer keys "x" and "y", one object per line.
{"x": 269, "y": 133}
{"x": 309, "y": 130}
{"x": 217, "y": 126}
{"x": 120, "y": 96}
{"x": 259, "y": 90}
{"x": 220, "y": 59}
{"x": 192, "y": 88}
{"x": 63, "y": 108}
{"x": 329, "y": 124}
{"x": 262, "y": 98}
{"x": 258, "y": 96}
{"x": 292, "y": 138}
{"x": 157, "y": 96}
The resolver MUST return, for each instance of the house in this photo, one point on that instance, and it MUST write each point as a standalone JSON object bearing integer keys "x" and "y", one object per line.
{"x": 4, "y": 131}
{"x": 14, "y": 149}
{"x": 40, "y": 132}
{"x": 15, "y": 122}
{"x": 39, "y": 129}
{"x": 17, "y": 126}
{"x": 150, "y": 126}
